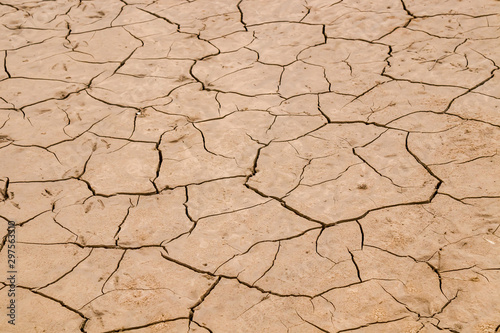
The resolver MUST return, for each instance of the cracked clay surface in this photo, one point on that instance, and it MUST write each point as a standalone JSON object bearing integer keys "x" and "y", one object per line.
{"x": 251, "y": 166}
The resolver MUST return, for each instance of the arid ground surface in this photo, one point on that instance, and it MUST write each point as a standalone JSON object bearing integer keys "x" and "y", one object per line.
{"x": 250, "y": 166}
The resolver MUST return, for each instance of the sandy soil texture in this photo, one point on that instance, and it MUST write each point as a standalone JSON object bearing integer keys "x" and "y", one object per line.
{"x": 250, "y": 166}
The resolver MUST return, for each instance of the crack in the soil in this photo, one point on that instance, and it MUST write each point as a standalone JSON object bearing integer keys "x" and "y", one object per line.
{"x": 221, "y": 44}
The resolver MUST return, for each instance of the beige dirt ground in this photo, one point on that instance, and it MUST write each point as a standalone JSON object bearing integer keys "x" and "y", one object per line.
{"x": 250, "y": 166}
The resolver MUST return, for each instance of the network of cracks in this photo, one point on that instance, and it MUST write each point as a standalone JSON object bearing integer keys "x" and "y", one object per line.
{"x": 251, "y": 165}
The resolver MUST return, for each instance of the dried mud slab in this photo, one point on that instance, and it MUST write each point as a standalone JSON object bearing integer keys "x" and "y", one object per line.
{"x": 250, "y": 165}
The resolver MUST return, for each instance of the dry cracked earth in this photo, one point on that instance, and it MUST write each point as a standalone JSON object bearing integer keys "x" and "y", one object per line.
{"x": 251, "y": 165}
